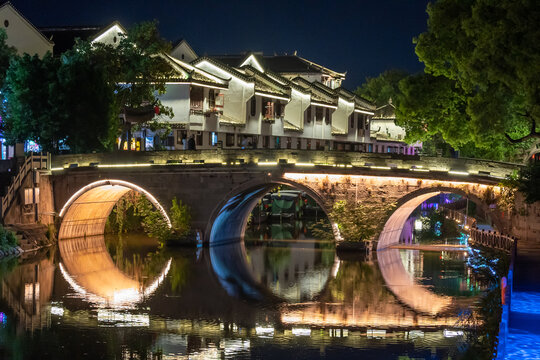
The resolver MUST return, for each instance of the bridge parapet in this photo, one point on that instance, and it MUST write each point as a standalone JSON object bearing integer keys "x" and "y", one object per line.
{"x": 301, "y": 158}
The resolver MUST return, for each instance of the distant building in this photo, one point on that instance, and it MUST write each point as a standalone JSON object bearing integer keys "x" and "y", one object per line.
{"x": 21, "y": 34}
{"x": 387, "y": 136}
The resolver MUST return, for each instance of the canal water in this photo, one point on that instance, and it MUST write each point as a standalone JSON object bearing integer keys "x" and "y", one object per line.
{"x": 282, "y": 293}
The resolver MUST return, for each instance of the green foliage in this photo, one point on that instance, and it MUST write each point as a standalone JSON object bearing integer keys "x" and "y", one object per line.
{"x": 28, "y": 114}
{"x": 482, "y": 65}
{"x": 77, "y": 100}
{"x": 6, "y": 53}
{"x": 383, "y": 88}
{"x": 8, "y": 239}
{"x": 356, "y": 221}
{"x": 134, "y": 212}
{"x": 529, "y": 182}
{"x": 180, "y": 215}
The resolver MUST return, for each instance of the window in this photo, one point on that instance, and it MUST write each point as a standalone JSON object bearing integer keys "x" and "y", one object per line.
{"x": 352, "y": 120}
{"x": 266, "y": 141}
{"x": 278, "y": 142}
{"x": 365, "y": 121}
{"x": 298, "y": 143}
{"x": 196, "y": 98}
{"x": 280, "y": 109}
{"x": 269, "y": 109}
{"x": 212, "y": 139}
{"x": 229, "y": 140}
{"x": 289, "y": 142}
{"x": 328, "y": 117}
{"x": 308, "y": 145}
{"x": 253, "y": 106}
{"x": 28, "y": 196}
{"x": 180, "y": 134}
{"x": 308, "y": 114}
{"x": 198, "y": 138}
{"x": 211, "y": 99}
{"x": 318, "y": 114}
{"x": 183, "y": 56}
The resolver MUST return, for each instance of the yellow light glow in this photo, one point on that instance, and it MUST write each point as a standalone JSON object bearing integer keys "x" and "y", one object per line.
{"x": 57, "y": 169}
{"x": 463, "y": 173}
{"x": 122, "y": 165}
{"x": 380, "y": 167}
{"x": 304, "y": 164}
{"x": 113, "y": 182}
{"x": 272, "y": 96}
{"x": 267, "y": 163}
{"x": 324, "y": 105}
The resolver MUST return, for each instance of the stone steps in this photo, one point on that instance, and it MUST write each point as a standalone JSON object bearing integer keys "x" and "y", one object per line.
{"x": 30, "y": 236}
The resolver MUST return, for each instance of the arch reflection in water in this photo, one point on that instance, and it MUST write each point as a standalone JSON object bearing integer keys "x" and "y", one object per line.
{"x": 228, "y": 255}
{"x": 88, "y": 267}
{"x": 400, "y": 281}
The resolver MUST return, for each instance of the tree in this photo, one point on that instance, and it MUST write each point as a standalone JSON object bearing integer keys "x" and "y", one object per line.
{"x": 382, "y": 88}
{"x": 6, "y": 53}
{"x": 490, "y": 51}
{"x": 27, "y": 113}
{"x": 77, "y": 100}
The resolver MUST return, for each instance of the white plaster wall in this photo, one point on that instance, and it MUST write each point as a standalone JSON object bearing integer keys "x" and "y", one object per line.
{"x": 183, "y": 52}
{"x": 111, "y": 36}
{"x": 177, "y": 97}
{"x": 340, "y": 117}
{"x": 294, "y": 110}
{"x": 22, "y": 35}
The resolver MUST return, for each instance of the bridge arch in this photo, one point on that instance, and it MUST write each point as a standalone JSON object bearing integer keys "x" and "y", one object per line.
{"x": 86, "y": 212}
{"x": 229, "y": 218}
{"x": 225, "y": 235}
{"x": 396, "y": 277}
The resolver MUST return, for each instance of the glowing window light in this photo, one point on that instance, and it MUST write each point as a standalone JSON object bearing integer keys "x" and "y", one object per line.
{"x": 452, "y": 333}
{"x": 301, "y": 332}
{"x": 113, "y": 182}
{"x": 418, "y": 224}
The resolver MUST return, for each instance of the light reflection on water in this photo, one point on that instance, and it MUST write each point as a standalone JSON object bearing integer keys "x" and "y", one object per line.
{"x": 313, "y": 303}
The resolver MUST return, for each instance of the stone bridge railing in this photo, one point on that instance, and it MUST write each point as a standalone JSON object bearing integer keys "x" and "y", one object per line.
{"x": 302, "y": 158}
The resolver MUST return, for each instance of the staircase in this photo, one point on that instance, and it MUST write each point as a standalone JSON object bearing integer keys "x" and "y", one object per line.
{"x": 30, "y": 163}
{"x": 30, "y": 236}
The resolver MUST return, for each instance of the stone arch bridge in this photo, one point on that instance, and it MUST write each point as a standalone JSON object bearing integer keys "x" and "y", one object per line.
{"x": 222, "y": 190}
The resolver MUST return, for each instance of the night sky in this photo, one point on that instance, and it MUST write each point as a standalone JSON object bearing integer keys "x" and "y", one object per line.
{"x": 363, "y": 38}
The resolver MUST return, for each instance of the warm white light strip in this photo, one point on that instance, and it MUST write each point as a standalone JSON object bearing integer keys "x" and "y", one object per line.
{"x": 208, "y": 86}
{"x": 256, "y": 65}
{"x": 380, "y": 167}
{"x": 364, "y": 112}
{"x": 129, "y": 185}
{"x": 464, "y": 173}
{"x": 272, "y": 96}
{"x": 57, "y": 169}
{"x": 194, "y": 68}
{"x": 323, "y": 105}
{"x": 304, "y": 164}
{"x": 118, "y": 30}
{"x": 225, "y": 72}
{"x": 268, "y": 163}
{"x": 123, "y": 165}
{"x": 340, "y": 177}
{"x": 419, "y": 170}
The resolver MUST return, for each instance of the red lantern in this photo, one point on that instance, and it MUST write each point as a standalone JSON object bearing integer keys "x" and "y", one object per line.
{"x": 156, "y": 110}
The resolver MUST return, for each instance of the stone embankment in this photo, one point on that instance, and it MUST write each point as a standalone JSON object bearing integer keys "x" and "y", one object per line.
{"x": 31, "y": 237}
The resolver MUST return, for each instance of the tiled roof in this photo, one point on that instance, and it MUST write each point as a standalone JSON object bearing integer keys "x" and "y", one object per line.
{"x": 317, "y": 94}
{"x": 188, "y": 73}
{"x": 224, "y": 67}
{"x": 287, "y": 64}
{"x": 265, "y": 83}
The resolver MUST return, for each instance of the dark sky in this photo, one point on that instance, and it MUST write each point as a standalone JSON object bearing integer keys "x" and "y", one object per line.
{"x": 363, "y": 38}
